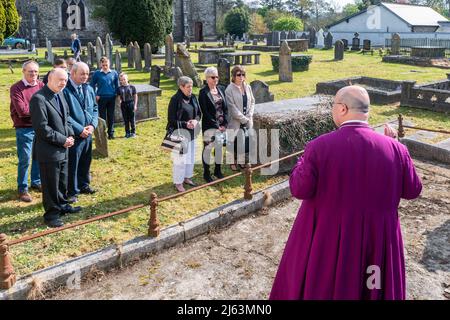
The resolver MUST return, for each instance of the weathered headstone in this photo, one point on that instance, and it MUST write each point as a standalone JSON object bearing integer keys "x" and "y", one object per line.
{"x": 187, "y": 41}
{"x": 137, "y": 56}
{"x": 312, "y": 37}
{"x": 367, "y": 45}
{"x": 329, "y": 41}
{"x": 304, "y": 36}
{"x": 320, "y": 39}
{"x": 255, "y": 42}
{"x": 90, "y": 54}
{"x": 118, "y": 62}
{"x": 276, "y": 38}
{"x": 395, "y": 44}
{"x": 292, "y": 35}
{"x": 101, "y": 138}
{"x": 65, "y": 56}
{"x": 283, "y": 35}
{"x": 224, "y": 70}
{"x": 147, "y": 57}
{"x": 355, "y": 42}
{"x": 155, "y": 76}
{"x": 169, "y": 53}
{"x": 269, "y": 39}
{"x": 339, "y": 50}
{"x": 99, "y": 51}
{"x": 130, "y": 55}
{"x": 109, "y": 47}
{"x": 228, "y": 40}
{"x": 261, "y": 92}
{"x": 183, "y": 60}
{"x": 285, "y": 68}
{"x": 177, "y": 73}
{"x": 50, "y": 55}
{"x": 345, "y": 42}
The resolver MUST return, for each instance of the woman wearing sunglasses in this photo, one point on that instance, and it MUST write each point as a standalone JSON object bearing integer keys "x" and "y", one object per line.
{"x": 241, "y": 105}
{"x": 214, "y": 122}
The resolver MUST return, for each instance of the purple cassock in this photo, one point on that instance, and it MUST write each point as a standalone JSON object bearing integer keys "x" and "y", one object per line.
{"x": 346, "y": 241}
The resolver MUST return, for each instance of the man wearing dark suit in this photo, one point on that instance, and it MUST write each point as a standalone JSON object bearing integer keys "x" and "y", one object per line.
{"x": 53, "y": 137}
{"x": 83, "y": 112}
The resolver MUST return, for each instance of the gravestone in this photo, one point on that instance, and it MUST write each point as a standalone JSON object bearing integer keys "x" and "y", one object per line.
{"x": 183, "y": 60}
{"x": 276, "y": 38}
{"x": 118, "y": 62}
{"x": 109, "y": 47}
{"x": 130, "y": 55}
{"x": 90, "y": 54}
{"x": 367, "y": 45}
{"x": 169, "y": 53}
{"x": 224, "y": 41}
{"x": 312, "y": 37}
{"x": 147, "y": 57}
{"x": 155, "y": 76}
{"x": 228, "y": 40}
{"x": 395, "y": 44}
{"x": 99, "y": 51}
{"x": 292, "y": 35}
{"x": 224, "y": 71}
{"x": 101, "y": 138}
{"x": 65, "y": 56}
{"x": 283, "y": 36}
{"x": 50, "y": 55}
{"x": 177, "y": 73}
{"x": 285, "y": 68}
{"x": 187, "y": 41}
{"x": 355, "y": 42}
{"x": 255, "y": 42}
{"x": 320, "y": 39}
{"x": 339, "y": 50}
{"x": 304, "y": 36}
{"x": 137, "y": 56}
{"x": 345, "y": 42}
{"x": 328, "y": 41}
{"x": 269, "y": 39}
{"x": 261, "y": 92}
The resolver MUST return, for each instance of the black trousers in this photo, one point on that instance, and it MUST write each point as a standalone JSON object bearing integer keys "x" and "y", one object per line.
{"x": 80, "y": 158}
{"x": 206, "y": 158}
{"x": 54, "y": 188}
{"x": 128, "y": 116}
{"x": 106, "y": 108}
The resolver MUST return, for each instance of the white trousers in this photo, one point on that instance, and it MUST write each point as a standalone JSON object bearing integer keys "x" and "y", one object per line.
{"x": 183, "y": 164}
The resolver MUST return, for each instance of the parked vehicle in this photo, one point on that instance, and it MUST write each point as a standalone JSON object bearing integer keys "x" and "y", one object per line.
{"x": 16, "y": 43}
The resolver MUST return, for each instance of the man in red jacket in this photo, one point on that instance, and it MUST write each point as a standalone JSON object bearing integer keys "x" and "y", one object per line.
{"x": 21, "y": 93}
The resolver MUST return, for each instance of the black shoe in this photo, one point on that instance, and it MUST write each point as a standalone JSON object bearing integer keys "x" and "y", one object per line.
{"x": 55, "y": 223}
{"x": 127, "y": 135}
{"x": 87, "y": 190}
{"x": 111, "y": 138}
{"x": 36, "y": 187}
{"x": 208, "y": 178}
{"x": 218, "y": 174}
{"x": 72, "y": 199}
{"x": 70, "y": 210}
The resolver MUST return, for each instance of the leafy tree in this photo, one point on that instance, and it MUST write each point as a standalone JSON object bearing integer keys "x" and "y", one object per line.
{"x": 288, "y": 24}
{"x": 142, "y": 21}
{"x": 237, "y": 21}
{"x": 350, "y": 9}
{"x": 273, "y": 15}
{"x": 258, "y": 26}
{"x": 2, "y": 22}
{"x": 11, "y": 16}
{"x": 272, "y": 4}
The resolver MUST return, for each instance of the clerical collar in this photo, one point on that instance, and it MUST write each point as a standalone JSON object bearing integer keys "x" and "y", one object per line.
{"x": 354, "y": 121}
{"x": 27, "y": 84}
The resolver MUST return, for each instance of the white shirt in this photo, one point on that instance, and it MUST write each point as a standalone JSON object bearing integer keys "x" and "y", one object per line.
{"x": 27, "y": 84}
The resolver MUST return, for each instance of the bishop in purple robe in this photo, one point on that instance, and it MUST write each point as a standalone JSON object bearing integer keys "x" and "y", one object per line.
{"x": 346, "y": 241}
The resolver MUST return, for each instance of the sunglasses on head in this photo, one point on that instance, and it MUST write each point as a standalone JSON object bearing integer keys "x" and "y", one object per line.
{"x": 240, "y": 75}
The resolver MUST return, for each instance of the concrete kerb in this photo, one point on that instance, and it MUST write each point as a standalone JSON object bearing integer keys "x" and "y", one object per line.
{"x": 426, "y": 151}
{"x": 118, "y": 255}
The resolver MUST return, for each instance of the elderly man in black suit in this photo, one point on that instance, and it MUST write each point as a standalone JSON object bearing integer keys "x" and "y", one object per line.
{"x": 54, "y": 136}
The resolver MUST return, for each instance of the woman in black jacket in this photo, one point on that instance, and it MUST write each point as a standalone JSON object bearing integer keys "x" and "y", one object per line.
{"x": 184, "y": 114}
{"x": 214, "y": 122}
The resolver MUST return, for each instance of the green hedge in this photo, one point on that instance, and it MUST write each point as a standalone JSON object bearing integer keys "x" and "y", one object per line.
{"x": 299, "y": 62}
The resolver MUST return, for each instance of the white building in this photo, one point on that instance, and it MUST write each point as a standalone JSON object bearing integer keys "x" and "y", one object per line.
{"x": 379, "y": 22}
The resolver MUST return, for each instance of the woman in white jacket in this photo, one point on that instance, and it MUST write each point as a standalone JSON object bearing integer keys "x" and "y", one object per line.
{"x": 241, "y": 105}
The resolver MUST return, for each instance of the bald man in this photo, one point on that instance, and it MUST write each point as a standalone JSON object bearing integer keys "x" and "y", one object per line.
{"x": 346, "y": 242}
{"x": 53, "y": 138}
{"x": 83, "y": 112}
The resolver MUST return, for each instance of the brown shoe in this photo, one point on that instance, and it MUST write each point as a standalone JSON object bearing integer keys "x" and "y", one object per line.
{"x": 25, "y": 197}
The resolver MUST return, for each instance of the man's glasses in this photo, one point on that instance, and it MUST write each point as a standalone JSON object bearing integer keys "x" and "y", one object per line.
{"x": 214, "y": 77}
{"x": 240, "y": 75}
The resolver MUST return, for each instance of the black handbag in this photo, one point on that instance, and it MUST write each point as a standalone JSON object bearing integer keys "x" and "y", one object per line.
{"x": 173, "y": 140}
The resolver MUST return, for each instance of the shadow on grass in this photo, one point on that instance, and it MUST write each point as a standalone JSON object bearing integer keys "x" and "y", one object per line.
{"x": 415, "y": 112}
{"x": 266, "y": 73}
{"x": 36, "y": 223}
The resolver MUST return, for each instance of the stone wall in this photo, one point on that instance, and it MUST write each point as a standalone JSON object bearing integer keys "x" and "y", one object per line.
{"x": 49, "y": 22}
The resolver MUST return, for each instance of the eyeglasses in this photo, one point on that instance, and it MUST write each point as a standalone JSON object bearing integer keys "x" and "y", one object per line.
{"x": 214, "y": 77}
{"x": 240, "y": 74}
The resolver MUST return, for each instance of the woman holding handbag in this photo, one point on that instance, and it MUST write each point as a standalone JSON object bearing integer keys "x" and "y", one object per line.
{"x": 241, "y": 105}
{"x": 183, "y": 116}
{"x": 214, "y": 122}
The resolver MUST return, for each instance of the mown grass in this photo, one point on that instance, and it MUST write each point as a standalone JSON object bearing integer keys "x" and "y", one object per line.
{"x": 137, "y": 167}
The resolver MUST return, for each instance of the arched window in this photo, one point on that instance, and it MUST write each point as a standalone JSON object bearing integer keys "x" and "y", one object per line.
{"x": 73, "y": 14}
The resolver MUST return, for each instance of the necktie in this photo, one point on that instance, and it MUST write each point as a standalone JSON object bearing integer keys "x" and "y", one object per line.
{"x": 80, "y": 93}
{"x": 60, "y": 105}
